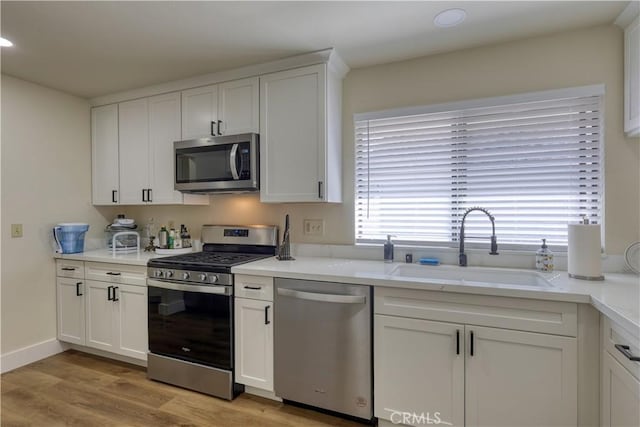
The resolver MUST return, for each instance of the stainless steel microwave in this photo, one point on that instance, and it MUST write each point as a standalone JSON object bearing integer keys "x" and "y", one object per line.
{"x": 221, "y": 164}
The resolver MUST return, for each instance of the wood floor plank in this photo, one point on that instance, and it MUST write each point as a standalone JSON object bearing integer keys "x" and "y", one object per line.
{"x": 78, "y": 389}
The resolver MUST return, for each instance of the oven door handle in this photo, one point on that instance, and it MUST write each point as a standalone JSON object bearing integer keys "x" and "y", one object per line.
{"x": 232, "y": 162}
{"x": 313, "y": 296}
{"x": 216, "y": 290}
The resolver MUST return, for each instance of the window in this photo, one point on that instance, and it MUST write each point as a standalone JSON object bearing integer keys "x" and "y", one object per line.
{"x": 533, "y": 160}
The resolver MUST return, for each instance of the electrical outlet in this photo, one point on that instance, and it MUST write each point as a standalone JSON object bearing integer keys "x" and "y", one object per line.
{"x": 313, "y": 227}
{"x": 16, "y": 230}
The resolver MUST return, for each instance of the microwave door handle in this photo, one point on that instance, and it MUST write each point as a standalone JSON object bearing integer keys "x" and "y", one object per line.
{"x": 232, "y": 162}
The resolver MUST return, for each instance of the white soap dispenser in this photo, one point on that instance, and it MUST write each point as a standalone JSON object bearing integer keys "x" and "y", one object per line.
{"x": 544, "y": 257}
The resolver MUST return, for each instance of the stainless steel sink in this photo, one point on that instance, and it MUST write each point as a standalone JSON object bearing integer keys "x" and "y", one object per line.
{"x": 471, "y": 275}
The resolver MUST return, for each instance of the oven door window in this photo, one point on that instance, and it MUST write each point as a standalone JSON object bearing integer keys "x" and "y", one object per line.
{"x": 191, "y": 326}
{"x": 213, "y": 163}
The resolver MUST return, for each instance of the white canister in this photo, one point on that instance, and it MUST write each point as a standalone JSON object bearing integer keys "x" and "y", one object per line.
{"x": 584, "y": 252}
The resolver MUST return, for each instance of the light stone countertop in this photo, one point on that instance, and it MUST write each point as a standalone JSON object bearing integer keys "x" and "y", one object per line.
{"x": 617, "y": 297}
{"x": 106, "y": 255}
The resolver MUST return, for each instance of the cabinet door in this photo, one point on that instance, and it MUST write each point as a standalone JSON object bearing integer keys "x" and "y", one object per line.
{"x": 520, "y": 378}
{"x": 200, "y": 112}
{"x": 254, "y": 343}
{"x": 620, "y": 395}
{"x": 131, "y": 324}
{"x": 418, "y": 370}
{"x": 632, "y": 78}
{"x": 133, "y": 119}
{"x": 70, "y": 310}
{"x": 238, "y": 106}
{"x": 101, "y": 316}
{"x": 293, "y": 135}
{"x": 164, "y": 129}
{"x": 104, "y": 155}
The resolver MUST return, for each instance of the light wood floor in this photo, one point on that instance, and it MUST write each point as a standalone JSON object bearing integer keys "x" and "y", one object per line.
{"x": 77, "y": 389}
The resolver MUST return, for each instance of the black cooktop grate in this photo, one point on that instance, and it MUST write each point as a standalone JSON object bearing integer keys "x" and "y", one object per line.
{"x": 209, "y": 259}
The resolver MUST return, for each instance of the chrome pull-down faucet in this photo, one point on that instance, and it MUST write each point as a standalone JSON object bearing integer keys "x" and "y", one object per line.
{"x": 462, "y": 257}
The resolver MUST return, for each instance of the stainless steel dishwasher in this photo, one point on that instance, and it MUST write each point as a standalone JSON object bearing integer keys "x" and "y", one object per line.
{"x": 322, "y": 334}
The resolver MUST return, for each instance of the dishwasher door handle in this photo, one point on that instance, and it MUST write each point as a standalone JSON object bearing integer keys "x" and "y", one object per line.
{"x": 313, "y": 296}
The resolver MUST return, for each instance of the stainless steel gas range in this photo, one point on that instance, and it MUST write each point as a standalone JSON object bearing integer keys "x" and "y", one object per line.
{"x": 190, "y": 306}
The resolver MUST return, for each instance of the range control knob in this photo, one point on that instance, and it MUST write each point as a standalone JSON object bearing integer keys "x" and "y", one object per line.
{"x": 169, "y": 274}
{"x": 214, "y": 279}
{"x": 186, "y": 275}
{"x": 202, "y": 277}
{"x": 158, "y": 273}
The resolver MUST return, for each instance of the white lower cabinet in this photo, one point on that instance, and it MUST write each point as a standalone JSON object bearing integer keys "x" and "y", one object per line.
{"x": 131, "y": 321}
{"x": 516, "y": 378}
{"x": 70, "y": 309}
{"x": 620, "y": 395}
{"x": 427, "y": 371}
{"x": 100, "y": 316}
{"x": 253, "y": 322}
{"x": 620, "y": 376}
{"x": 419, "y": 369}
{"x": 108, "y": 314}
{"x": 116, "y": 318}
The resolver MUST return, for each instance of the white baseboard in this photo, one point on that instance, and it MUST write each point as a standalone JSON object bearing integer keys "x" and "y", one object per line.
{"x": 26, "y": 355}
{"x": 261, "y": 393}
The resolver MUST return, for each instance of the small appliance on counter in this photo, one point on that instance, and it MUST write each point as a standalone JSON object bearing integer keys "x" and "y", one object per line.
{"x": 121, "y": 236}
{"x": 69, "y": 237}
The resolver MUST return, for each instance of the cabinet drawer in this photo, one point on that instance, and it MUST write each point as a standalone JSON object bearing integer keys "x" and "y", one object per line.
{"x": 70, "y": 268}
{"x": 116, "y": 273}
{"x": 550, "y": 317}
{"x": 253, "y": 287}
{"x": 614, "y": 334}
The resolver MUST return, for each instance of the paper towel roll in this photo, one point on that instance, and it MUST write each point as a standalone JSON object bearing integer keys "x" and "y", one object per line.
{"x": 584, "y": 259}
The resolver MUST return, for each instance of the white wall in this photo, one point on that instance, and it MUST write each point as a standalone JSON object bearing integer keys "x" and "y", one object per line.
{"x": 46, "y": 179}
{"x": 575, "y": 58}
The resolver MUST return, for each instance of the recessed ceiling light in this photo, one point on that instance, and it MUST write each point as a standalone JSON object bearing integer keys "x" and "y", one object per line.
{"x": 5, "y": 43}
{"x": 450, "y": 17}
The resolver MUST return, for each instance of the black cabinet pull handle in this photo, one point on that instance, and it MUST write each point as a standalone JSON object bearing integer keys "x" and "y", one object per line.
{"x": 149, "y": 195}
{"x": 109, "y": 297}
{"x": 115, "y": 297}
{"x": 471, "y": 346}
{"x": 78, "y": 293}
{"x": 144, "y": 198}
{"x": 320, "y": 189}
{"x": 457, "y": 341}
{"x": 266, "y": 315}
{"x": 68, "y": 269}
{"x": 213, "y": 133}
{"x": 253, "y": 288}
{"x": 111, "y": 273}
{"x": 624, "y": 349}
{"x": 219, "y": 123}
{"x": 113, "y": 196}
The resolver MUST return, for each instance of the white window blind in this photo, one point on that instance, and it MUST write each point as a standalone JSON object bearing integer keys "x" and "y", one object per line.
{"x": 533, "y": 161}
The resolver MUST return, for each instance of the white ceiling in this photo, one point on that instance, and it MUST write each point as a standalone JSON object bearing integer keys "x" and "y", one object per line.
{"x": 94, "y": 48}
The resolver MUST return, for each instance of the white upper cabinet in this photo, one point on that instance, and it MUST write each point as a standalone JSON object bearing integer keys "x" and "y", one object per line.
{"x": 134, "y": 151}
{"x": 164, "y": 129}
{"x": 238, "y": 106}
{"x": 200, "y": 112}
{"x": 632, "y": 78}
{"x": 225, "y": 109}
{"x": 629, "y": 21}
{"x": 104, "y": 155}
{"x": 300, "y": 141}
{"x": 132, "y": 155}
